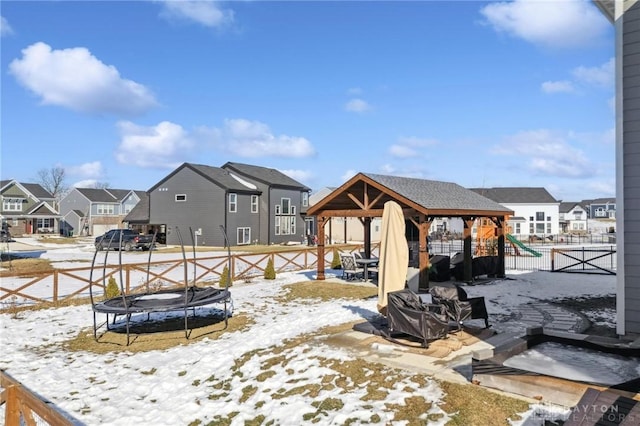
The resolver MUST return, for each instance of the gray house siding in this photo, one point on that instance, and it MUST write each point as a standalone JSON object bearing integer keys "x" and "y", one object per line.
{"x": 201, "y": 196}
{"x": 74, "y": 200}
{"x": 295, "y": 197}
{"x": 628, "y": 166}
{"x": 243, "y": 218}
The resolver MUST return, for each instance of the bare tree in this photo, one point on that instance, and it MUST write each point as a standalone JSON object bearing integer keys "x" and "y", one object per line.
{"x": 101, "y": 185}
{"x": 53, "y": 180}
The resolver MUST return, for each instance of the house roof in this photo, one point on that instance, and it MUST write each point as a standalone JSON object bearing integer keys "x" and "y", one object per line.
{"x": 216, "y": 175}
{"x": 516, "y": 195}
{"x": 37, "y": 191}
{"x": 43, "y": 210}
{"x": 567, "y": 206}
{"x": 603, "y": 201}
{"x": 271, "y": 177}
{"x": 364, "y": 195}
{"x": 97, "y": 195}
{"x": 140, "y": 212}
{"x": 34, "y": 189}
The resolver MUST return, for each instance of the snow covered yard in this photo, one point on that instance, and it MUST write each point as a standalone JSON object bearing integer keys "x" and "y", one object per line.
{"x": 277, "y": 370}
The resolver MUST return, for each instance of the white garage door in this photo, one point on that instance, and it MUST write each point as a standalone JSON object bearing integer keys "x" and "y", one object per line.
{"x": 101, "y": 229}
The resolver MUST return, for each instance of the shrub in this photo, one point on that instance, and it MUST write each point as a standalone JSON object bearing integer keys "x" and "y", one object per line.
{"x": 225, "y": 280}
{"x": 112, "y": 290}
{"x": 336, "y": 263}
{"x": 270, "y": 271}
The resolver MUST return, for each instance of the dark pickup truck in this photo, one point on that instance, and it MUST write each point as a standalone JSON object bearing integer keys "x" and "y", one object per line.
{"x": 130, "y": 240}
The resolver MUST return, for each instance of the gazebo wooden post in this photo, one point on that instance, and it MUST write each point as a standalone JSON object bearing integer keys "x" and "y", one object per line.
{"x": 423, "y": 253}
{"x": 367, "y": 237}
{"x": 468, "y": 257}
{"x": 500, "y": 267}
{"x": 321, "y": 223}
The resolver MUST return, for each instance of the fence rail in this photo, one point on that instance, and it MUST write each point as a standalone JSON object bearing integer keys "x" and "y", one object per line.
{"x": 62, "y": 285}
{"x": 584, "y": 260}
{"x": 24, "y": 407}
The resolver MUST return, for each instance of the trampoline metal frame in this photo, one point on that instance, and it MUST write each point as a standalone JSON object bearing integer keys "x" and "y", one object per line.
{"x": 128, "y": 304}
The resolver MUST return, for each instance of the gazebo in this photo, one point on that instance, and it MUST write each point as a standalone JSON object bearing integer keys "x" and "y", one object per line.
{"x": 363, "y": 196}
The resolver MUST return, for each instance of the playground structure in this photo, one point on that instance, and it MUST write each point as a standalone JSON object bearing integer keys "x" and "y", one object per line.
{"x": 487, "y": 240}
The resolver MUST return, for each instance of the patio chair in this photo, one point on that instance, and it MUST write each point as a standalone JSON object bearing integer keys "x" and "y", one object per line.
{"x": 350, "y": 270}
{"x": 459, "y": 306}
{"x": 407, "y": 314}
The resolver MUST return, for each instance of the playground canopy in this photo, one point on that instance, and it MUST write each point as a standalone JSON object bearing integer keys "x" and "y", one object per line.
{"x": 421, "y": 201}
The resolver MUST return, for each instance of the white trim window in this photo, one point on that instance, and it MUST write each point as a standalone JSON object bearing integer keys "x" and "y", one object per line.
{"x": 12, "y": 204}
{"x": 181, "y": 198}
{"x": 244, "y": 236}
{"x": 233, "y": 202}
{"x": 285, "y": 218}
{"x": 305, "y": 199}
{"x": 254, "y": 204}
{"x": 105, "y": 209}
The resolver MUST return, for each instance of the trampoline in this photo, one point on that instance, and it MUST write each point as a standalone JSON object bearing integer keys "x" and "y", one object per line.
{"x": 185, "y": 298}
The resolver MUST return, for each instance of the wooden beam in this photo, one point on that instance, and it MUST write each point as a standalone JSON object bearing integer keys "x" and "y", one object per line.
{"x": 468, "y": 271}
{"x": 322, "y": 221}
{"x": 500, "y": 268}
{"x": 423, "y": 254}
{"x": 355, "y": 200}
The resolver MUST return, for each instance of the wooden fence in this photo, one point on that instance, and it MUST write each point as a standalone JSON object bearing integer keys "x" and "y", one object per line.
{"x": 24, "y": 407}
{"x": 62, "y": 285}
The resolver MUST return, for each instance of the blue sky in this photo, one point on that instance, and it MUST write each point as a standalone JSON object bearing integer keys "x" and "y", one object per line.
{"x": 482, "y": 94}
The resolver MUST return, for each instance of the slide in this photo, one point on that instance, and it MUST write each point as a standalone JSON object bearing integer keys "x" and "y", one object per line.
{"x": 519, "y": 243}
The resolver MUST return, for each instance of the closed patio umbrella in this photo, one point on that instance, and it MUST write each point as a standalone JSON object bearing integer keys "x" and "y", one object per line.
{"x": 394, "y": 254}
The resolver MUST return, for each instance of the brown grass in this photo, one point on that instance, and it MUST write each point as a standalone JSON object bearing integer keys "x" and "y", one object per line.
{"x": 25, "y": 266}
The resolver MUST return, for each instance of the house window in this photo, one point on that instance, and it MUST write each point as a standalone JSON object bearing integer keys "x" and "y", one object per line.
{"x": 285, "y": 218}
{"x": 181, "y": 198}
{"x": 305, "y": 199}
{"x": 531, "y": 228}
{"x": 517, "y": 228}
{"x": 44, "y": 223}
{"x": 540, "y": 216}
{"x": 539, "y": 228}
{"x": 548, "y": 228}
{"x": 105, "y": 209}
{"x": 233, "y": 203}
{"x": 577, "y": 214}
{"x": 254, "y": 204}
{"x": 600, "y": 212}
{"x": 530, "y": 218}
{"x": 244, "y": 236}
{"x": 12, "y": 204}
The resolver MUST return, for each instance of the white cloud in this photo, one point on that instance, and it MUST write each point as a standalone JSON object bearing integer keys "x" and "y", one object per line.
{"x": 547, "y": 154}
{"x": 357, "y": 105}
{"x": 348, "y": 175}
{"x": 299, "y": 175}
{"x": 93, "y": 169}
{"x": 255, "y": 139}
{"x": 5, "y": 28}
{"x": 604, "y": 75}
{"x": 558, "y": 87}
{"x": 206, "y": 13}
{"x": 86, "y": 183}
{"x": 551, "y": 23}
{"x": 75, "y": 79}
{"x": 408, "y": 147}
{"x": 354, "y": 91}
{"x": 387, "y": 169}
{"x": 162, "y": 145}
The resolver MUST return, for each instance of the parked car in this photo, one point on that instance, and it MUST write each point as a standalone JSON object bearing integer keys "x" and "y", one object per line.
{"x": 123, "y": 239}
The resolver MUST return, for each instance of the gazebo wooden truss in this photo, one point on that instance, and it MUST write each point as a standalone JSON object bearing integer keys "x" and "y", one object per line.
{"x": 364, "y": 195}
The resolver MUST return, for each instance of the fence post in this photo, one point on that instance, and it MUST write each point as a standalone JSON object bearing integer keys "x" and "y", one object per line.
{"x": 55, "y": 285}
{"x": 128, "y": 279}
{"x": 12, "y": 413}
{"x": 553, "y": 259}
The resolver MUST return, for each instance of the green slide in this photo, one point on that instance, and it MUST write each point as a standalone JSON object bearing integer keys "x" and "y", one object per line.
{"x": 519, "y": 243}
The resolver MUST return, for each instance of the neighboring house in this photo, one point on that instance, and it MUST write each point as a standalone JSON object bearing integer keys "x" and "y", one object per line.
{"x": 93, "y": 211}
{"x": 536, "y": 212}
{"x": 194, "y": 201}
{"x": 342, "y": 229}
{"x": 602, "y": 208}
{"x": 573, "y": 218}
{"x": 28, "y": 208}
{"x": 283, "y": 202}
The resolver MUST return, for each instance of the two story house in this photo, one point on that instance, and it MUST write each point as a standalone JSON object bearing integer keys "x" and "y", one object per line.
{"x": 536, "y": 211}
{"x": 28, "y": 208}
{"x": 573, "y": 218}
{"x": 254, "y": 205}
{"x": 93, "y": 211}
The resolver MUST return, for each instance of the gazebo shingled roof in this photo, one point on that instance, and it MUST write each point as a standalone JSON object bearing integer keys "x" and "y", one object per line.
{"x": 422, "y": 200}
